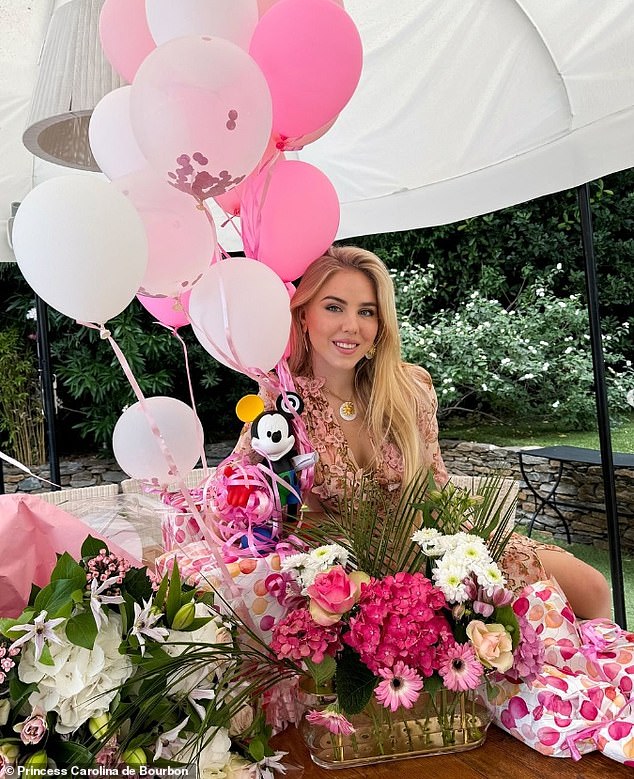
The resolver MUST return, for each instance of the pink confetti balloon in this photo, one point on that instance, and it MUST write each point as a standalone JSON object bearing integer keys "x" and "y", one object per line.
{"x": 201, "y": 111}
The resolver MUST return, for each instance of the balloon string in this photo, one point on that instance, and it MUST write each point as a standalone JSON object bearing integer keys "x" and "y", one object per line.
{"x": 271, "y": 382}
{"x": 199, "y": 432}
{"x": 20, "y": 466}
{"x": 172, "y": 467}
{"x": 203, "y": 207}
{"x": 252, "y": 237}
{"x": 306, "y": 475}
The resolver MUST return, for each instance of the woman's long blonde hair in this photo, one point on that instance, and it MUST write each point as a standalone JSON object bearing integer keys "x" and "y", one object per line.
{"x": 383, "y": 384}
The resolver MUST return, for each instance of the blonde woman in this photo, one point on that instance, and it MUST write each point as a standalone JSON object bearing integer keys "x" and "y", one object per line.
{"x": 369, "y": 413}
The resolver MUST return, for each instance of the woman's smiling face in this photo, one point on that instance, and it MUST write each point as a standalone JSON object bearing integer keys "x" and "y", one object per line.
{"x": 341, "y": 322}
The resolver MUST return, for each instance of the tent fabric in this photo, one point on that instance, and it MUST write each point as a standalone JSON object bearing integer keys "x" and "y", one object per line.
{"x": 464, "y": 107}
{"x": 467, "y": 107}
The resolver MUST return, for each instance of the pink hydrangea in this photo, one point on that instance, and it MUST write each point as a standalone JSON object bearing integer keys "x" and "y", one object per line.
{"x": 528, "y": 658}
{"x": 298, "y": 636}
{"x": 399, "y": 619}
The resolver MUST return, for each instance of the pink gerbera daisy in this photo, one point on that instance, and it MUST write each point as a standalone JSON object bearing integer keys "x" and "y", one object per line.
{"x": 401, "y": 686}
{"x": 460, "y": 668}
{"x": 331, "y": 719}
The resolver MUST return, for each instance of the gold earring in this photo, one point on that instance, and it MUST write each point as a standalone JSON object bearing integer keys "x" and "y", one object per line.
{"x": 305, "y": 340}
{"x": 369, "y": 355}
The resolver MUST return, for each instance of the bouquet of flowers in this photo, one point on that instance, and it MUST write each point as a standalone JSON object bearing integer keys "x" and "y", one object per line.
{"x": 108, "y": 666}
{"x": 392, "y": 615}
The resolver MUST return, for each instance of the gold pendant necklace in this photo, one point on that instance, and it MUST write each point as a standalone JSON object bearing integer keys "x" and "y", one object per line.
{"x": 347, "y": 410}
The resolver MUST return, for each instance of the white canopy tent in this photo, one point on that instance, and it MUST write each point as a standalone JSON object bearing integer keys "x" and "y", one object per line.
{"x": 464, "y": 107}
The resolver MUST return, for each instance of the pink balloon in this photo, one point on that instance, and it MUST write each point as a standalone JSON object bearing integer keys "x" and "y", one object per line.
{"x": 111, "y": 138}
{"x": 169, "y": 311}
{"x": 181, "y": 239}
{"x": 310, "y": 52}
{"x": 201, "y": 112}
{"x": 294, "y": 144}
{"x": 125, "y": 35}
{"x": 290, "y": 216}
{"x": 264, "y": 5}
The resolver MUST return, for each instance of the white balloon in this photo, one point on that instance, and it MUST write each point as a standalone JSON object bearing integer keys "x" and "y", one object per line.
{"x": 256, "y": 304}
{"x": 81, "y": 246}
{"x": 234, "y": 20}
{"x": 181, "y": 239}
{"x": 112, "y": 140}
{"x": 138, "y": 450}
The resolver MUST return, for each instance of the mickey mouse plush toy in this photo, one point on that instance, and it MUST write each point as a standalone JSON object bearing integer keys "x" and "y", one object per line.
{"x": 272, "y": 437}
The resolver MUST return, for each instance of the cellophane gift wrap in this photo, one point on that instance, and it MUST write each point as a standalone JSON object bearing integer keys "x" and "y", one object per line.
{"x": 582, "y": 699}
{"x": 232, "y": 545}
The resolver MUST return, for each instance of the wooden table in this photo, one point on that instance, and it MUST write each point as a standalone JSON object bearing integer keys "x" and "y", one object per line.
{"x": 501, "y": 757}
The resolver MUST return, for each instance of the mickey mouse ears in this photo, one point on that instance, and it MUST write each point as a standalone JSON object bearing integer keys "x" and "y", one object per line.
{"x": 249, "y": 407}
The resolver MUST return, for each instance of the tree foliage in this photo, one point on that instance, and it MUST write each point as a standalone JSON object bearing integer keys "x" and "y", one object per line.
{"x": 502, "y": 258}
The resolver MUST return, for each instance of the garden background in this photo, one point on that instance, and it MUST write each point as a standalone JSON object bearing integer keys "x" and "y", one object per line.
{"x": 494, "y": 307}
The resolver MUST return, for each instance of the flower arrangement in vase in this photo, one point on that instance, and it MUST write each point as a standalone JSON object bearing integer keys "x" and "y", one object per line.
{"x": 108, "y": 666}
{"x": 397, "y": 628}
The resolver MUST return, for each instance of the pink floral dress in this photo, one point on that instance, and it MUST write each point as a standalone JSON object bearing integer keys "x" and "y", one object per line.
{"x": 337, "y": 467}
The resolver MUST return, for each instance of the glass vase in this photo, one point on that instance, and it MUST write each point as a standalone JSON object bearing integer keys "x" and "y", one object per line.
{"x": 438, "y": 723}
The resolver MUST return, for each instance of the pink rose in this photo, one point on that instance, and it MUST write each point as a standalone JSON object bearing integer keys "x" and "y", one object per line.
{"x": 492, "y": 643}
{"x": 33, "y": 729}
{"x": 333, "y": 592}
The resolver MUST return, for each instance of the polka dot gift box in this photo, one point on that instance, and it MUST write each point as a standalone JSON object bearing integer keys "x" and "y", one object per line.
{"x": 251, "y": 576}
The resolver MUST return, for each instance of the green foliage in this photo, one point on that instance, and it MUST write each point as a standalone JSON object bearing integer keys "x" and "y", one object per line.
{"x": 531, "y": 360}
{"x": 21, "y": 419}
{"x": 354, "y": 682}
{"x": 92, "y": 388}
{"x": 500, "y": 256}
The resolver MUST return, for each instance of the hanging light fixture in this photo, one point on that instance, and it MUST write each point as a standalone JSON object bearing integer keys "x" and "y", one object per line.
{"x": 74, "y": 75}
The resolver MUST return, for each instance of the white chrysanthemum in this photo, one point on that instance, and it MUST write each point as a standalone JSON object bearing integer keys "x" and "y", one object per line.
{"x": 329, "y": 555}
{"x": 294, "y": 561}
{"x": 429, "y": 540}
{"x": 449, "y": 578}
{"x": 491, "y": 576}
{"x": 473, "y": 552}
{"x": 433, "y": 543}
{"x": 81, "y": 683}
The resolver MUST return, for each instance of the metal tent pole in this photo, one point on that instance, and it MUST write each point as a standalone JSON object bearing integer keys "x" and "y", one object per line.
{"x": 603, "y": 417}
{"x": 48, "y": 393}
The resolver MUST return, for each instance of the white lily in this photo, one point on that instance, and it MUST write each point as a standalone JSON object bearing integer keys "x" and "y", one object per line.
{"x": 97, "y": 599}
{"x": 198, "y": 695}
{"x": 143, "y": 626}
{"x": 265, "y": 768}
{"x": 40, "y": 631}
{"x": 169, "y": 743}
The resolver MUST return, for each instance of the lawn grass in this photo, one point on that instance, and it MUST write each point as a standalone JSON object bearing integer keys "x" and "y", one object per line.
{"x": 533, "y": 434}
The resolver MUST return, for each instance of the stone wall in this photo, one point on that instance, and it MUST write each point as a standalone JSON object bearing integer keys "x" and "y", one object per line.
{"x": 88, "y": 471}
{"x": 580, "y": 484}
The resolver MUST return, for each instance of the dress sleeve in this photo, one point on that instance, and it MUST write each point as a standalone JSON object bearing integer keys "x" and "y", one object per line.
{"x": 428, "y": 423}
